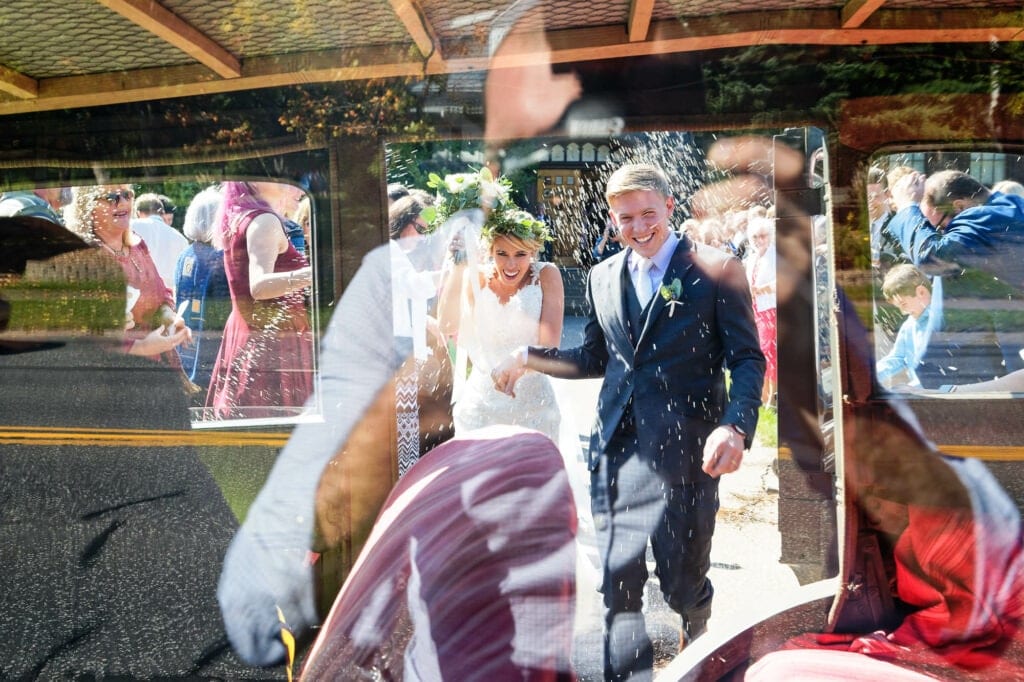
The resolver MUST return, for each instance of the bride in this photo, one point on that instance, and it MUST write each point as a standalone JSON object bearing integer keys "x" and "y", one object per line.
{"x": 492, "y": 308}
{"x": 508, "y": 301}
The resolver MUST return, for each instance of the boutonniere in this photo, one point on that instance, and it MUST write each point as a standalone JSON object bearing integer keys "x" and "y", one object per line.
{"x": 671, "y": 293}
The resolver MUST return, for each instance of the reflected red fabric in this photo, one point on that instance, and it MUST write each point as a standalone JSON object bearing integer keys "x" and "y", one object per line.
{"x": 265, "y": 361}
{"x": 469, "y": 571}
{"x": 969, "y": 607}
{"x": 969, "y": 603}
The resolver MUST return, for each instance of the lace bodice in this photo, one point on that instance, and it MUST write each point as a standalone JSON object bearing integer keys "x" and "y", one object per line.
{"x": 500, "y": 328}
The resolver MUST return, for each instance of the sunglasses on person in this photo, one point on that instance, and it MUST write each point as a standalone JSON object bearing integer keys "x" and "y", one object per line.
{"x": 421, "y": 226}
{"x": 115, "y": 197}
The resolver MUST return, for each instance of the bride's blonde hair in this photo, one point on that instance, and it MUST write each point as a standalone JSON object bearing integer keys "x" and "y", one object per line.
{"x": 534, "y": 246}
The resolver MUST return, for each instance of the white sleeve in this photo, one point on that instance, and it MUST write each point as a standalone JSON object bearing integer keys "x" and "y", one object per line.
{"x": 267, "y": 565}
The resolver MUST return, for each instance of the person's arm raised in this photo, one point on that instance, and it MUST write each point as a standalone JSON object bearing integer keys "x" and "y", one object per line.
{"x": 449, "y": 300}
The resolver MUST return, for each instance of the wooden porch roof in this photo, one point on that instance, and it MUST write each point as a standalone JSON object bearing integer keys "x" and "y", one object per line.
{"x": 67, "y": 54}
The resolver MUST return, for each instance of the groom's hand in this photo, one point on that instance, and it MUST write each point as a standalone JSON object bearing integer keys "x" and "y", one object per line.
{"x": 723, "y": 452}
{"x": 508, "y": 371}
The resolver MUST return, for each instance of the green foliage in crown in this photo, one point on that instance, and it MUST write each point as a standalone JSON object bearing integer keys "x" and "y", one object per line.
{"x": 515, "y": 222}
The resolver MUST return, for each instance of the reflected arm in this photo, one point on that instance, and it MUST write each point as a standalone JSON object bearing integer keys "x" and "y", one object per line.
{"x": 553, "y": 308}
{"x": 265, "y": 241}
{"x": 449, "y": 301}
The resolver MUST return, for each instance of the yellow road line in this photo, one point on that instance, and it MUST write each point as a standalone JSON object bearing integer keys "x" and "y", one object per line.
{"x": 137, "y": 437}
{"x": 988, "y": 453}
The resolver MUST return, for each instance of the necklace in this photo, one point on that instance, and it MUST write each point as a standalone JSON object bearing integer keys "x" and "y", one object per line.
{"x": 125, "y": 252}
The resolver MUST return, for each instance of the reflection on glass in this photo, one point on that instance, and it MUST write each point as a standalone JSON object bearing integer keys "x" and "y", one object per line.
{"x": 947, "y": 247}
{"x": 102, "y": 501}
{"x": 101, "y": 215}
{"x": 567, "y": 195}
{"x": 824, "y": 285}
{"x": 220, "y": 289}
{"x": 265, "y": 364}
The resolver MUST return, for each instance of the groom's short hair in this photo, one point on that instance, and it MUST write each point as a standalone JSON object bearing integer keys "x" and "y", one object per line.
{"x": 637, "y": 177}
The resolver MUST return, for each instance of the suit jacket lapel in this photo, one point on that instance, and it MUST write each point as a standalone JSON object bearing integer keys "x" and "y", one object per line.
{"x": 678, "y": 266}
{"x": 616, "y": 293}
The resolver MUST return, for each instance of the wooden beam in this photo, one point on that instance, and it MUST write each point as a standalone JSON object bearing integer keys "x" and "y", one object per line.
{"x": 158, "y": 20}
{"x": 817, "y": 27}
{"x": 856, "y": 12}
{"x": 185, "y": 81}
{"x": 806, "y": 27}
{"x": 412, "y": 16}
{"x": 640, "y": 12}
{"x": 17, "y": 84}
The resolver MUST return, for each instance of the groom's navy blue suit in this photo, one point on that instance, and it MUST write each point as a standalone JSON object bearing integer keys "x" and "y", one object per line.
{"x": 663, "y": 393}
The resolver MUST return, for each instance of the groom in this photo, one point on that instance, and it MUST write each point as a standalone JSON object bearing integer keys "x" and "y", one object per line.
{"x": 666, "y": 318}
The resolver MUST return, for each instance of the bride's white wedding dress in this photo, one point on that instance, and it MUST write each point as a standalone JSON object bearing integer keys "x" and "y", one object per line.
{"x": 494, "y": 331}
{"x": 489, "y": 335}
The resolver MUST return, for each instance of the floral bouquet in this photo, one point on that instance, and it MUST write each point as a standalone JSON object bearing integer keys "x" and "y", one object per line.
{"x": 460, "y": 191}
{"x": 481, "y": 190}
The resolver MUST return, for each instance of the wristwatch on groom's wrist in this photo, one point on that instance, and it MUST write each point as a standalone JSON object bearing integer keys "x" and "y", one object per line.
{"x": 739, "y": 432}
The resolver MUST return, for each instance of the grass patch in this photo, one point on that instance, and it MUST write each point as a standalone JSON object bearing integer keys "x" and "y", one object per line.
{"x": 965, "y": 320}
{"x": 77, "y": 309}
{"x": 977, "y": 284}
{"x": 767, "y": 434}
{"x": 240, "y": 472}
{"x": 859, "y": 292}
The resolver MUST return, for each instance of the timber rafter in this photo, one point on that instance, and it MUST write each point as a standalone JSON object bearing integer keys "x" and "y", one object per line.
{"x": 217, "y": 70}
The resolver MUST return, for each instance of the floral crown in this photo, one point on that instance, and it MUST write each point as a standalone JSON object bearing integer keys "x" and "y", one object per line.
{"x": 514, "y": 222}
{"x": 480, "y": 189}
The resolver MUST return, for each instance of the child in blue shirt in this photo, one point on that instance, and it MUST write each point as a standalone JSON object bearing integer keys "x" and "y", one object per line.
{"x": 910, "y": 290}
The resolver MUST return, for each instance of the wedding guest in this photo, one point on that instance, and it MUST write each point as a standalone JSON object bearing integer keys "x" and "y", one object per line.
{"x": 101, "y": 215}
{"x": 165, "y": 244}
{"x": 200, "y": 280}
{"x": 608, "y": 243}
{"x": 264, "y": 367}
{"x": 760, "y": 265}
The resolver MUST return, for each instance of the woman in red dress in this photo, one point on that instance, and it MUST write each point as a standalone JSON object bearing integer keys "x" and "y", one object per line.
{"x": 101, "y": 215}
{"x": 760, "y": 266}
{"x": 265, "y": 364}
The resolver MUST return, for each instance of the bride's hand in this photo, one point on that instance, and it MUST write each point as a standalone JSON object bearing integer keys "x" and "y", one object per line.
{"x": 457, "y": 249}
{"x": 506, "y": 374}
